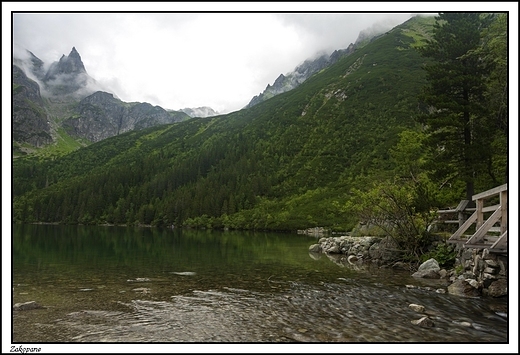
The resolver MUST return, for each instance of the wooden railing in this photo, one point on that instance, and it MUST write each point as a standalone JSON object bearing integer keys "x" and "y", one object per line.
{"x": 486, "y": 227}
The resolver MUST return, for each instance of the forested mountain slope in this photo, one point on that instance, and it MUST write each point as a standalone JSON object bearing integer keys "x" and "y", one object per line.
{"x": 286, "y": 163}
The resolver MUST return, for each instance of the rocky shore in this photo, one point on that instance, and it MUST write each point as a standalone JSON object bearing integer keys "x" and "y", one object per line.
{"x": 476, "y": 272}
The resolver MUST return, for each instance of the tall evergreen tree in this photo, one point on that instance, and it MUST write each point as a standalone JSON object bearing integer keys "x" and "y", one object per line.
{"x": 455, "y": 97}
{"x": 494, "y": 51}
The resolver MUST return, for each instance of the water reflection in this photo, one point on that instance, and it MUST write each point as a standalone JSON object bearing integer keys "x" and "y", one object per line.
{"x": 102, "y": 284}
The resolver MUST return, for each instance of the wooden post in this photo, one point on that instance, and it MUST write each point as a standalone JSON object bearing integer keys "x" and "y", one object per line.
{"x": 503, "y": 207}
{"x": 480, "y": 213}
{"x": 461, "y": 218}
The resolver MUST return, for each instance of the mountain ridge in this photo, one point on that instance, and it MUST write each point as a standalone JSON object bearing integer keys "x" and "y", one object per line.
{"x": 309, "y": 67}
{"x": 66, "y": 82}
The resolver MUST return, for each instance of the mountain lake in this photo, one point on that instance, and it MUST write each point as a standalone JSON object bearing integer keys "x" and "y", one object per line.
{"x": 149, "y": 285}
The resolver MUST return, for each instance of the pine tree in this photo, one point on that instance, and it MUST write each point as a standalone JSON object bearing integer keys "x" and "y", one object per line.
{"x": 455, "y": 98}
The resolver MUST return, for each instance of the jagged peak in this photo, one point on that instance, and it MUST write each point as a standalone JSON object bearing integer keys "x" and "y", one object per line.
{"x": 70, "y": 64}
{"x": 74, "y": 54}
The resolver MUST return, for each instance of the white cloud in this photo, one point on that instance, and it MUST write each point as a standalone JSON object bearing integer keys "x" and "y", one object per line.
{"x": 179, "y": 60}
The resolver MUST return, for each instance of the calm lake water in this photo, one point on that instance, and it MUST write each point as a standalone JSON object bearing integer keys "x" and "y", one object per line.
{"x": 115, "y": 284}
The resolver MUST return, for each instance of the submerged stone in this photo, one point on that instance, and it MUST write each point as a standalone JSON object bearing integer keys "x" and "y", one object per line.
{"x": 416, "y": 307}
{"x": 424, "y": 322}
{"x": 26, "y": 306}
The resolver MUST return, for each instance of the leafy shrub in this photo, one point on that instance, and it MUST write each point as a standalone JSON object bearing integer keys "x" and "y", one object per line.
{"x": 444, "y": 253}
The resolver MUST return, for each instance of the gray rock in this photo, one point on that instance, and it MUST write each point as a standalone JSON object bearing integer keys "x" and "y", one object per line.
{"x": 430, "y": 264}
{"x": 472, "y": 282}
{"x": 424, "y": 322}
{"x": 26, "y": 306}
{"x": 352, "y": 259}
{"x": 416, "y": 307}
{"x": 491, "y": 270}
{"x": 491, "y": 263}
{"x": 463, "y": 288}
{"x": 427, "y": 274}
{"x": 315, "y": 248}
{"x": 498, "y": 288}
{"x": 333, "y": 249}
{"x": 486, "y": 276}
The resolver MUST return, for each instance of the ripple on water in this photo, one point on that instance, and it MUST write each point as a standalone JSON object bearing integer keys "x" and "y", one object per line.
{"x": 336, "y": 312}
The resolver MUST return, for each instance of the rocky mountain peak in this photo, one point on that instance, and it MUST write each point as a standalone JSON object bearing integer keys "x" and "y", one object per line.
{"x": 203, "y": 111}
{"x": 70, "y": 64}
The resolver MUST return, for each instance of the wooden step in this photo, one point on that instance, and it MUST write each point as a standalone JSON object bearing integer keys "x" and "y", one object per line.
{"x": 498, "y": 250}
{"x": 457, "y": 241}
{"x": 477, "y": 246}
{"x": 491, "y": 238}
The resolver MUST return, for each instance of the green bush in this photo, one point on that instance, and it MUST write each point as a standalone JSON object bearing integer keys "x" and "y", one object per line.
{"x": 444, "y": 253}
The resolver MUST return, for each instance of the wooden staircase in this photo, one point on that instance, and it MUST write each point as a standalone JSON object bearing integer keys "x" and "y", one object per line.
{"x": 490, "y": 222}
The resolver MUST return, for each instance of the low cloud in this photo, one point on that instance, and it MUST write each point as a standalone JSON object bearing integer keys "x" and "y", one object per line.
{"x": 177, "y": 60}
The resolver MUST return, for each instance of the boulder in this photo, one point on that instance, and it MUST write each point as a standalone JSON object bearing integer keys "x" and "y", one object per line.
{"x": 315, "y": 248}
{"x": 430, "y": 269}
{"x": 427, "y": 274}
{"x": 430, "y": 264}
{"x": 463, "y": 288}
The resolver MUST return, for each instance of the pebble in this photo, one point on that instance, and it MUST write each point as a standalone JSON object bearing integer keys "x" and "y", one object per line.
{"x": 416, "y": 307}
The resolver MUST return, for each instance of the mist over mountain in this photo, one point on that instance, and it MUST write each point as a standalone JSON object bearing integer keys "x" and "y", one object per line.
{"x": 301, "y": 73}
{"x": 65, "y": 86}
{"x": 59, "y": 102}
{"x": 309, "y": 67}
{"x": 30, "y": 120}
{"x": 203, "y": 111}
{"x": 63, "y": 79}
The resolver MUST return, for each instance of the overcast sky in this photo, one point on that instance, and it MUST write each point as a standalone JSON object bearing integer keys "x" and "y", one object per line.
{"x": 179, "y": 60}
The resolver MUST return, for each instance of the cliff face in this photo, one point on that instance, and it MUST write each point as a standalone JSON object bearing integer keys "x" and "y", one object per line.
{"x": 301, "y": 73}
{"x": 30, "y": 122}
{"x": 68, "y": 77}
{"x": 101, "y": 115}
{"x": 65, "y": 96}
